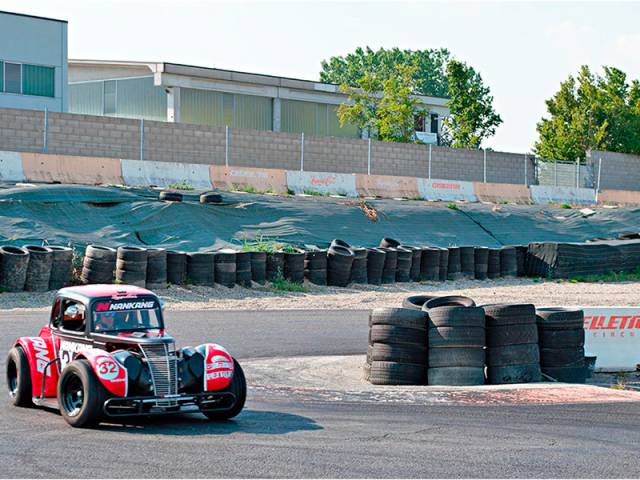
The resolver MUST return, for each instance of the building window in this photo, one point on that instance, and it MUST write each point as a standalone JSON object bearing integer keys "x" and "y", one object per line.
{"x": 37, "y": 80}
{"x": 434, "y": 123}
{"x": 110, "y": 92}
{"x": 419, "y": 123}
{"x": 12, "y": 77}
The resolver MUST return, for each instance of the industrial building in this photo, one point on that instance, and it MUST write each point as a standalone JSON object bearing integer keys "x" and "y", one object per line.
{"x": 33, "y": 62}
{"x": 210, "y": 96}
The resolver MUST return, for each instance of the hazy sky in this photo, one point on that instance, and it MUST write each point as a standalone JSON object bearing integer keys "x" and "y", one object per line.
{"x": 522, "y": 49}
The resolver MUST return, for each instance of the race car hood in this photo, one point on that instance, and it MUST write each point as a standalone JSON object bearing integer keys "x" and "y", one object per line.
{"x": 134, "y": 338}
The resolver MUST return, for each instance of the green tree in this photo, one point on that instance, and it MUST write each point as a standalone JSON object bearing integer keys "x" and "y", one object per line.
{"x": 472, "y": 117}
{"x": 386, "y": 107}
{"x": 591, "y": 112}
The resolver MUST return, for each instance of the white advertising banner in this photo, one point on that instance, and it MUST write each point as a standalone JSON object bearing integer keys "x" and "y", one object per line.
{"x": 322, "y": 182}
{"x": 446, "y": 190}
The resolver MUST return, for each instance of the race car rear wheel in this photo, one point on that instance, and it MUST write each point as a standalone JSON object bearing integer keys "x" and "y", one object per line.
{"x": 19, "y": 378}
{"x": 81, "y": 395}
{"x": 238, "y": 387}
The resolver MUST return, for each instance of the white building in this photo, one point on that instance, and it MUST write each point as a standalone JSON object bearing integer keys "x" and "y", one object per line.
{"x": 33, "y": 62}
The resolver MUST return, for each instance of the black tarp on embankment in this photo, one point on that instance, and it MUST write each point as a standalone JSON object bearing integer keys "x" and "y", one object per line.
{"x": 114, "y": 216}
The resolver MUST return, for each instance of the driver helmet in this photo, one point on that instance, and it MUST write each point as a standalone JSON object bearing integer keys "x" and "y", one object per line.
{"x": 73, "y": 312}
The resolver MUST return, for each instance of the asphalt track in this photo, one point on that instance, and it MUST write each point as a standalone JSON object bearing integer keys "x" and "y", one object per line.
{"x": 284, "y": 437}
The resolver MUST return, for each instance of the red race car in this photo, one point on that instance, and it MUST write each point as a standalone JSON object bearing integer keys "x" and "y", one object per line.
{"x": 105, "y": 355}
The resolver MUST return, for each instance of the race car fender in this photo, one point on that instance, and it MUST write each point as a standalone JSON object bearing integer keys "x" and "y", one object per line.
{"x": 39, "y": 352}
{"x": 110, "y": 372}
{"x": 218, "y": 366}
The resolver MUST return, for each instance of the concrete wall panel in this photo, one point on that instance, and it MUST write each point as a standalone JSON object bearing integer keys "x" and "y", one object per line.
{"x": 387, "y": 186}
{"x": 446, "y": 190}
{"x": 143, "y": 173}
{"x": 260, "y": 179}
{"x": 502, "y": 192}
{"x": 619, "y": 197}
{"x": 571, "y": 195}
{"x": 11, "y": 167}
{"x": 325, "y": 183}
{"x": 40, "y": 167}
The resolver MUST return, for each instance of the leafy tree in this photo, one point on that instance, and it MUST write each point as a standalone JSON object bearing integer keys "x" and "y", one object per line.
{"x": 472, "y": 117}
{"x": 385, "y": 107}
{"x": 591, "y": 112}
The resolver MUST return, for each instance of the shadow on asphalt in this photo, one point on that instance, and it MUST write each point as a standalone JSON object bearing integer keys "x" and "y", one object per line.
{"x": 258, "y": 422}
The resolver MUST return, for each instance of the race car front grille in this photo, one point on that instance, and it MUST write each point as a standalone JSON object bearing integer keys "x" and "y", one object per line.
{"x": 163, "y": 367}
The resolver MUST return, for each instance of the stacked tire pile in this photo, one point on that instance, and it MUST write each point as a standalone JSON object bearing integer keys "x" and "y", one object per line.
{"x": 294, "y": 266}
{"x": 201, "y": 268}
{"x": 14, "y": 262}
{"x": 359, "y": 266}
{"x": 561, "y": 340}
{"x": 315, "y": 266}
{"x": 131, "y": 266}
{"x": 512, "y": 344}
{"x": 225, "y": 267}
{"x": 396, "y": 354}
{"x": 176, "y": 267}
{"x": 156, "y": 276}
{"x": 258, "y": 267}
{"x": 275, "y": 265}
{"x": 61, "y": 267}
{"x": 375, "y": 265}
{"x": 430, "y": 264}
{"x": 339, "y": 262}
{"x": 243, "y": 269}
{"x": 38, "y": 269}
{"x": 98, "y": 265}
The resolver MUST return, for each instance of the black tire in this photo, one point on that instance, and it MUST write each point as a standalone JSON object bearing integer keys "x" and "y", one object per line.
{"x": 339, "y": 243}
{"x": 18, "y": 376}
{"x": 86, "y": 411}
{"x": 514, "y": 374}
{"x": 395, "y": 373}
{"x": 456, "y": 337}
{"x": 382, "y": 352}
{"x": 238, "y": 387}
{"x": 171, "y": 196}
{"x": 132, "y": 254}
{"x": 389, "y": 243}
{"x": 573, "y": 374}
{"x": 463, "y": 376}
{"x": 493, "y": 263}
{"x": 14, "y": 262}
{"x": 561, "y": 357}
{"x": 450, "y": 301}
{"x": 102, "y": 253}
{"x": 456, "y": 316}
{"x": 443, "y": 266}
{"x": 481, "y": 262}
{"x": 511, "y": 335}
{"x": 390, "y": 334}
{"x": 508, "y": 262}
{"x": 416, "y": 302}
{"x": 454, "y": 267}
{"x": 513, "y": 355}
{"x": 38, "y": 269}
{"x": 399, "y": 317}
{"x": 561, "y": 338}
{"x": 509, "y": 314}
{"x": 210, "y": 198}
{"x": 467, "y": 262}
{"x": 560, "y": 318}
{"x": 456, "y": 357}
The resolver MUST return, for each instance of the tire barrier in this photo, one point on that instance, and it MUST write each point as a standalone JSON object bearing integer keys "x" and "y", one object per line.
{"x": 243, "y": 269}
{"x": 453, "y": 267}
{"x": 397, "y": 353}
{"x": 201, "y": 268}
{"x": 493, "y": 263}
{"x": 98, "y": 265}
{"x": 315, "y": 266}
{"x": 359, "y": 266}
{"x": 449, "y": 301}
{"x": 294, "y": 266}
{"x": 443, "y": 271}
{"x": 339, "y": 261}
{"x": 131, "y": 266}
{"x": 390, "y": 264}
{"x": 156, "y": 268}
{"x": 340, "y": 243}
{"x": 225, "y": 267}
{"x": 430, "y": 264}
{"x": 375, "y": 265}
{"x": 481, "y": 262}
{"x": 416, "y": 302}
{"x": 561, "y": 340}
{"x": 38, "y": 269}
{"x": 14, "y": 262}
{"x": 403, "y": 264}
{"x": 512, "y": 344}
{"x": 259, "y": 267}
{"x": 210, "y": 198}
{"x": 416, "y": 259}
{"x": 508, "y": 262}
{"x": 61, "y": 267}
{"x": 467, "y": 262}
{"x": 521, "y": 259}
{"x": 275, "y": 265}
{"x": 176, "y": 267}
{"x": 170, "y": 196}
{"x": 389, "y": 243}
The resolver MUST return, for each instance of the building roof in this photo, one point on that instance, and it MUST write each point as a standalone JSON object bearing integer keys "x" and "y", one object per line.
{"x": 32, "y": 16}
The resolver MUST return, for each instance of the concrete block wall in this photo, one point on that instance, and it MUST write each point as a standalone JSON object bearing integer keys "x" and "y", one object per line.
{"x": 503, "y": 167}
{"x": 181, "y": 142}
{"x": 333, "y": 154}
{"x": 257, "y": 148}
{"x": 399, "y": 159}
{"x": 21, "y": 130}
{"x": 458, "y": 164}
{"x": 620, "y": 171}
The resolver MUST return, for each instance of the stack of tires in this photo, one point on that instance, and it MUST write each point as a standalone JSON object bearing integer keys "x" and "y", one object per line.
{"x": 416, "y": 259}
{"x": 294, "y": 266}
{"x": 467, "y": 262}
{"x": 456, "y": 339}
{"x": 339, "y": 262}
{"x": 443, "y": 271}
{"x": 131, "y": 266}
{"x": 454, "y": 268}
{"x": 315, "y": 266}
{"x": 375, "y": 265}
{"x": 61, "y": 267}
{"x": 512, "y": 344}
{"x": 561, "y": 341}
{"x": 359, "y": 266}
{"x": 176, "y": 267}
{"x": 98, "y": 265}
{"x": 259, "y": 267}
{"x": 275, "y": 265}
{"x": 243, "y": 269}
{"x": 521, "y": 259}
{"x": 493, "y": 263}
{"x": 14, "y": 262}
{"x": 397, "y": 353}
{"x": 430, "y": 264}
{"x": 481, "y": 262}
{"x": 225, "y": 267}
{"x": 403, "y": 265}
{"x": 508, "y": 262}
{"x": 38, "y": 269}
{"x": 156, "y": 268}
{"x": 201, "y": 268}
{"x": 390, "y": 264}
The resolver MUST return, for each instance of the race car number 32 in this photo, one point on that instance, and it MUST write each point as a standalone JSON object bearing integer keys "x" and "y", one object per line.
{"x": 107, "y": 369}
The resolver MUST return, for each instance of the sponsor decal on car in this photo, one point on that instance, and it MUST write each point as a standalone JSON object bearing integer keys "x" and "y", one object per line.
{"x": 218, "y": 368}
{"x": 119, "y": 306}
{"x": 41, "y": 352}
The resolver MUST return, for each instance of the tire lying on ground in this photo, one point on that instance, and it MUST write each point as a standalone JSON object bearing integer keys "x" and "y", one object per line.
{"x": 375, "y": 265}
{"x": 359, "y": 266}
{"x": 430, "y": 264}
{"x": 259, "y": 267}
{"x": 38, "y": 269}
{"x": 171, "y": 196}
{"x": 225, "y": 267}
{"x": 98, "y": 264}
{"x": 156, "y": 268}
{"x": 243, "y": 269}
{"x": 481, "y": 262}
{"x": 561, "y": 340}
{"x": 201, "y": 268}
{"x": 390, "y": 265}
{"x": 315, "y": 266}
{"x": 14, "y": 262}
{"x": 176, "y": 267}
{"x": 294, "y": 266}
{"x": 403, "y": 265}
{"x": 131, "y": 266}
{"x": 61, "y": 267}
{"x": 210, "y": 198}
{"x": 339, "y": 261}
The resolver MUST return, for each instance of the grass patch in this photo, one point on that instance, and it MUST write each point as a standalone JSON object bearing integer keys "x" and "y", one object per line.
{"x": 565, "y": 205}
{"x": 246, "y": 189}
{"x": 290, "y": 192}
{"x": 621, "y": 381}
{"x": 452, "y": 206}
{"x": 261, "y": 244}
{"x": 314, "y": 193}
{"x": 289, "y": 249}
{"x": 280, "y": 284}
{"x": 181, "y": 186}
{"x": 611, "y": 277}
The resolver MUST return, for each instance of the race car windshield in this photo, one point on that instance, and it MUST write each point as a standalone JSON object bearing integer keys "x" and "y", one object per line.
{"x": 115, "y": 317}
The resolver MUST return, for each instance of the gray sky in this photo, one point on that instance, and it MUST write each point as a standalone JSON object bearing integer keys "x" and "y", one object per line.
{"x": 522, "y": 49}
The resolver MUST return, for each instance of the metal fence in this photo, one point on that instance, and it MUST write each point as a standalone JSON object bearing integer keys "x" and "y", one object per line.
{"x": 564, "y": 174}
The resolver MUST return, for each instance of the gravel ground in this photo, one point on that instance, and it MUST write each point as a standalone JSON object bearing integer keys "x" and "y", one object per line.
{"x": 367, "y": 297}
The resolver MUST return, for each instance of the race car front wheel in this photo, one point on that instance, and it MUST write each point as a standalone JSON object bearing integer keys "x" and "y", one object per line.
{"x": 81, "y": 395}
{"x": 239, "y": 389}
{"x": 19, "y": 378}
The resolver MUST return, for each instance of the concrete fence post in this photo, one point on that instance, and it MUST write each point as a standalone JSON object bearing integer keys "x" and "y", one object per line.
{"x": 526, "y": 179}
{"x": 429, "y": 161}
{"x": 142, "y": 139}
{"x": 45, "y": 139}
{"x": 226, "y": 145}
{"x": 484, "y": 165}
{"x": 302, "y": 152}
{"x": 369, "y": 157}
